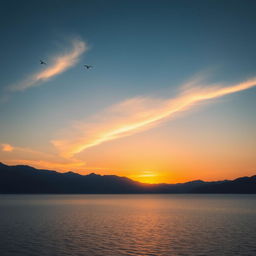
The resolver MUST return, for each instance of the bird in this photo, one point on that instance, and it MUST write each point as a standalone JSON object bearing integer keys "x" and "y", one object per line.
{"x": 42, "y": 62}
{"x": 87, "y": 66}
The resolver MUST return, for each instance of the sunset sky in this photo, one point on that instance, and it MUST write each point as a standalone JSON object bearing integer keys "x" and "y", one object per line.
{"x": 171, "y": 96}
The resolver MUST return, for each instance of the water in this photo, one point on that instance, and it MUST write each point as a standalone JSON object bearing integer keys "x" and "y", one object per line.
{"x": 171, "y": 225}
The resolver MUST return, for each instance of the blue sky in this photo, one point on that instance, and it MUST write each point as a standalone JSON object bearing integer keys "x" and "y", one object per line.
{"x": 138, "y": 49}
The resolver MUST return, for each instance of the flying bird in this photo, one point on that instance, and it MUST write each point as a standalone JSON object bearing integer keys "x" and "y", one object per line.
{"x": 87, "y": 66}
{"x": 42, "y": 62}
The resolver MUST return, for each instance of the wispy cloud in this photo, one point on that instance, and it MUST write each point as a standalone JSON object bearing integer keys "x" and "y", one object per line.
{"x": 7, "y": 147}
{"x": 11, "y": 154}
{"x": 59, "y": 64}
{"x": 40, "y": 164}
{"x": 138, "y": 114}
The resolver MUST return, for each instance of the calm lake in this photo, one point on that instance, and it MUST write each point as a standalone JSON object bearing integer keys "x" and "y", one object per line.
{"x": 171, "y": 225}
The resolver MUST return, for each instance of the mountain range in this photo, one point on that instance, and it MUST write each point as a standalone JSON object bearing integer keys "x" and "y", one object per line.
{"x": 22, "y": 179}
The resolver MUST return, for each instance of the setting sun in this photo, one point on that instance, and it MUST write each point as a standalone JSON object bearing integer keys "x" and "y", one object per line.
{"x": 147, "y": 177}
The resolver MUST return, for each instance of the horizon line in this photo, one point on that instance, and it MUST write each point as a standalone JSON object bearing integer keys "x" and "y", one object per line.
{"x": 143, "y": 183}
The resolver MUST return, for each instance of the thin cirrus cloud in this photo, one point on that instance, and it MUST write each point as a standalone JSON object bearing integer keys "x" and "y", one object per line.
{"x": 7, "y": 147}
{"x": 54, "y": 165}
{"x": 137, "y": 114}
{"x": 59, "y": 64}
{"x": 20, "y": 155}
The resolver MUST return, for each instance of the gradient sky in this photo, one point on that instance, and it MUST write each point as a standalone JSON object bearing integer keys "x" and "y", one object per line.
{"x": 171, "y": 96}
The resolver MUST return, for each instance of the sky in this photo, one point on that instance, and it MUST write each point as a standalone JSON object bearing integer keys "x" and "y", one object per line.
{"x": 170, "y": 97}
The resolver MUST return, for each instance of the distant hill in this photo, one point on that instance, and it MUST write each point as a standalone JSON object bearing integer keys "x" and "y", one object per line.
{"x": 22, "y": 179}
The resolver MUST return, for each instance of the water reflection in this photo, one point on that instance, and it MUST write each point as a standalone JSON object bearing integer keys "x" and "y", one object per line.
{"x": 128, "y": 225}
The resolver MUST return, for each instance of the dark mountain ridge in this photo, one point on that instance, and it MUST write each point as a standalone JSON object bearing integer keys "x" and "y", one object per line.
{"x": 22, "y": 179}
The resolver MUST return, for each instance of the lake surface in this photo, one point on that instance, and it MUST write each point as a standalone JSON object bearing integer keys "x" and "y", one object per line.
{"x": 171, "y": 225}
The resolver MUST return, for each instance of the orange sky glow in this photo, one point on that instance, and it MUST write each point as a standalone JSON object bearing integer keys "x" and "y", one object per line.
{"x": 124, "y": 140}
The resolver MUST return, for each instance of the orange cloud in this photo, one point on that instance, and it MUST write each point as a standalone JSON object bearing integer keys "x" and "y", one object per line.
{"x": 60, "y": 64}
{"x": 40, "y": 164}
{"x": 7, "y": 148}
{"x": 135, "y": 115}
{"x": 38, "y": 159}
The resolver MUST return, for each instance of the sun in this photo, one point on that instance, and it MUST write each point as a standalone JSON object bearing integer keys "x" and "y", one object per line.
{"x": 146, "y": 177}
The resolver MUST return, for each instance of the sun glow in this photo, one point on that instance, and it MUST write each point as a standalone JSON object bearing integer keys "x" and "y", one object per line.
{"x": 146, "y": 177}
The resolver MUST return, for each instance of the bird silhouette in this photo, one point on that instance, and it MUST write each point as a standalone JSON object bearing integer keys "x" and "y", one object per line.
{"x": 42, "y": 62}
{"x": 87, "y": 66}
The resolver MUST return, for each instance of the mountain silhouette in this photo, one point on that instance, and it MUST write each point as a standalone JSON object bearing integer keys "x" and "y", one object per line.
{"x": 22, "y": 179}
